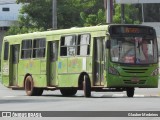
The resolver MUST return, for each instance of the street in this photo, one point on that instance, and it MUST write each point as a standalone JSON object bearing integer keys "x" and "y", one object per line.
{"x": 143, "y": 100}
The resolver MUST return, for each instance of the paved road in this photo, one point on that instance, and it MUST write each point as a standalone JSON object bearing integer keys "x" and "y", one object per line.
{"x": 144, "y": 100}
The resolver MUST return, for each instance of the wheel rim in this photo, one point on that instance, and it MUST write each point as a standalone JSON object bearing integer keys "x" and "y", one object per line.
{"x": 28, "y": 86}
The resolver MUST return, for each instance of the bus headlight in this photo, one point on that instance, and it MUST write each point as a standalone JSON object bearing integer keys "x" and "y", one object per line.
{"x": 155, "y": 72}
{"x": 113, "y": 71}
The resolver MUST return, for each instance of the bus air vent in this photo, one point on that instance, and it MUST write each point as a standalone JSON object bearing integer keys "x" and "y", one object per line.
{"x": 134, "y": 82}
{"x": 128, "y": 70}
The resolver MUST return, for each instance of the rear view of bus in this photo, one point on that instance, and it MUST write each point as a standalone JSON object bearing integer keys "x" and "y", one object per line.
{"x": 133, "y": 54}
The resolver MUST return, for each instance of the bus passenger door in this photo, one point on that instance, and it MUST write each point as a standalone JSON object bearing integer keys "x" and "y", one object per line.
{"x": 14, "y": 59}
{"x": 52, "y": 58}
{"x": 98, "y": 55}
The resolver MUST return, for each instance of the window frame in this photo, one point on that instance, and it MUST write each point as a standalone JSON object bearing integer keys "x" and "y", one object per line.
{"x": 26, "y": 49}
{"x": 67, "y": 46}
{"x": 6, "y": 51}
{"x": 79, "y": 44}
{"x": 5, "y": 9}
{"x": 39, "y": 51}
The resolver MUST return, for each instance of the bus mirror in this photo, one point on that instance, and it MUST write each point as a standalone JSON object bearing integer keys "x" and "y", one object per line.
{"x": 108, "y": 44}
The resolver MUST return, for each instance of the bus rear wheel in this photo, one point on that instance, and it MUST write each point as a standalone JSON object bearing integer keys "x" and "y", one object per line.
{"x": 86, "y": 87}
{"x": 130, "y": 92}
{"x": 68, "y": 91}
{"x": 30, "y": 89}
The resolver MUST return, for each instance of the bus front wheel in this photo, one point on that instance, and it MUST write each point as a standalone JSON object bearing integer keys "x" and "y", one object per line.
{"x": 30, "y": 89}
{"x": 130, "y": 92}
{"x": 86, "y": 87}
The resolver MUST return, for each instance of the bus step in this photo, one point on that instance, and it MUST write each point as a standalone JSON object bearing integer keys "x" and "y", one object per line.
{"x": 16, "y": 88}
{"x": 51, "y": 88}
{"x": 13, "y": 86}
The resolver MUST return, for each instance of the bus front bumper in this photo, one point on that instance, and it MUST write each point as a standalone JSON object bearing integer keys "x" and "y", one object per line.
{"x": 134, "y": 81}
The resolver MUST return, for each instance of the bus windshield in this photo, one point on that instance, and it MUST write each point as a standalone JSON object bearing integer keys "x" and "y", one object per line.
{"x": 133, "y": 50}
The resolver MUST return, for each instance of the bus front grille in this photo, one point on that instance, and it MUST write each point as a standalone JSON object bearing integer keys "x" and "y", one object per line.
{"x": 134, "y": 82}
{"x": 131, "y": 70}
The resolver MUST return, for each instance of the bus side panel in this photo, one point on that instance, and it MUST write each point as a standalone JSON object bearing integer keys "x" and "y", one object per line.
{"x": 5, "y": 80}
{"x": 43, "y": 67}
{"x": 21, "y": 80}
{"x": 68, "y": 80}
{"x": 39, "y": 80}
{"x": 5, "y": 73}
{"x": 62, "y": 72}
{"x": 74, "y": 67}
{"x": 89, "y": 64}
{"x": 29, "y": 66}
{"x": 5, "y": 68}
{"x": 62, "y": 65}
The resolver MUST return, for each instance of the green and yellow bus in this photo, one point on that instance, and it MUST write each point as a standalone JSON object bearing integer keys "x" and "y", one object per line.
{"x": 98, "y": 58}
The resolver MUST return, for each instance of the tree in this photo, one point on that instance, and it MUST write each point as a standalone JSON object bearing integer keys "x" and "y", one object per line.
{"x": 93, "y": 19}
{"x": 131, "y": 14}
{"x": 93, "y": 13}
{"x": 37, "y": 14}
{"x": 79, "y": 12}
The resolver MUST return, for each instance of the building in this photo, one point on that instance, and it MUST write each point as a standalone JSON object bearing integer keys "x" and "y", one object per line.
{"x": 9, "y": 12}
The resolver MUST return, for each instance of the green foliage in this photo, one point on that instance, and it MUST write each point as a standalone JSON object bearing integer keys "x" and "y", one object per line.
{"x": 72, "y": 12}
{"x": 17, "y": 30}
{"x": 93, "y": 19}
{"x": 37, "y": 14}
{"x": 131, "y": 14}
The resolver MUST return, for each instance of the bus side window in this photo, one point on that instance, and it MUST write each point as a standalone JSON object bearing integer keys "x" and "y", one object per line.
{"x": 39, "y": 46}
{"x": 83, "y": 45}
{"x": 68, "y": 45}
{"x": 6, "y": 49}
{"x": 63, "y": 47}
{"x": 26, "y": 49}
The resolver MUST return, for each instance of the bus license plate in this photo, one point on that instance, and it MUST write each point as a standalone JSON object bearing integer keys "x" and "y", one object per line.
{"x": 135, "y": 80}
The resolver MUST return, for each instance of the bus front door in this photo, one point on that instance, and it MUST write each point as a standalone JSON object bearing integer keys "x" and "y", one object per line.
{"x": 98, "y": 72}
{"x": 14, "y": 59}
{"x": 52, "y": 58}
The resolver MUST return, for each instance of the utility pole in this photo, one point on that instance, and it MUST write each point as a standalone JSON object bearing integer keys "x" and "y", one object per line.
{"x": 108, "y": 4}
{"x": 54, "y": 14}
{"x": 122, "y": 14}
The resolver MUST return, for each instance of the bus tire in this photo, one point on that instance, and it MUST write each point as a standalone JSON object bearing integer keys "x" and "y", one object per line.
{"x": 86, "y": 86}
{"x": 68, "y": 91}
{"x": 39, "y": 91}
{"x": 130, "y": 92}
{"x": 30, "y": 89}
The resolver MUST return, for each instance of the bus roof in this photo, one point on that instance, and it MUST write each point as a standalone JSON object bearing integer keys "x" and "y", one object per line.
{"x": 61, "y": 31}
{"x": 65, "y": 31}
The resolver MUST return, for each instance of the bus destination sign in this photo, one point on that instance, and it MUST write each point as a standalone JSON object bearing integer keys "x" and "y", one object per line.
{"x": 132, "y": 30}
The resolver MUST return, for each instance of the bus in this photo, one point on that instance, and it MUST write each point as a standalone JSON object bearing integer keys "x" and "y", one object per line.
{"x": 97, "y": 58}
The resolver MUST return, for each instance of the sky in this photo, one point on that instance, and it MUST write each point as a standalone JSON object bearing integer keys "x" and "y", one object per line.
{"x": 7, "y": 1}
